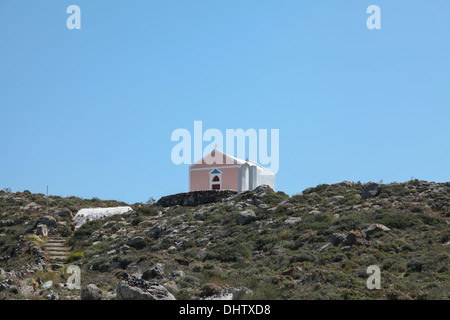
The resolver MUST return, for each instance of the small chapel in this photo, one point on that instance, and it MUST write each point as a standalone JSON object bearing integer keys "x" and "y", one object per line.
{"x": 220, "y": 171}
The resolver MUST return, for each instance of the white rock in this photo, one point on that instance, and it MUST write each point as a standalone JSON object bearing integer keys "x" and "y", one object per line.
{"x": 86, "y": 214}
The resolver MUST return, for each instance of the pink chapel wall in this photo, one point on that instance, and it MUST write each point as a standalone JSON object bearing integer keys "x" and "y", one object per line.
{"x": 200, "y": 179}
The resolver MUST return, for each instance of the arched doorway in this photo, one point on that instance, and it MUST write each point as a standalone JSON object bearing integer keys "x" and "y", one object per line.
{"x": 215, "y": 181}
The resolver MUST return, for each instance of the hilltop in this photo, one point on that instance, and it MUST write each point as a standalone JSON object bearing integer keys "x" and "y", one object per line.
{"x": 258, "y": 244}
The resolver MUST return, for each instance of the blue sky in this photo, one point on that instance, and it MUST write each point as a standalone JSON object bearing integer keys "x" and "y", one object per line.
{"x": 90, "y": 112}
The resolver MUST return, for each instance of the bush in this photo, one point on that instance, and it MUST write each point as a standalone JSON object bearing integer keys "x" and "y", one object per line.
{"x": 87, "y": 229}
{"x": 415, "y": 265}
{"x": 75, "y": 256}
{"x": 274, "y": 198}
{"x": 339, "y": 257}
{"x": 396, "y": 219}
{"x": 350, "y": 221}
{"x": 100, "y": 264}
{"x": 64, "y": 231}
{"x": 303, "y": 256}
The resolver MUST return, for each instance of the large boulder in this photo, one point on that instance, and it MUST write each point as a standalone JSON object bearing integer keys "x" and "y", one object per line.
{"x": 262, "y": 190}
{"x": 132, "y": 288}
{"x": 49, "y": 221}
{"x": 91, "y": 292}
{"x": 375, "y": 228}
{"x": 46, "y": 285}
{"x": 89, "y": 214}
{"x": 355, "y": 237}
{"x": 195, "y": 198}
{"x": 65, "y": 213}
{"x": 337, "y": 238}
{"x": 292, "y": 220}
{"x": 371, "y": 190}
{"x": 137, "y": 242}
{"x": 157, "y": 271}
{"x": 245, "y": 217}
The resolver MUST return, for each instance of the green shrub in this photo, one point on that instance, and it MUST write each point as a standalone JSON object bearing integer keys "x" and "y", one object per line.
{"x": 64, "y": 231}
{"x": 87, "y": 229}
{"x": 75, "y": 256}
{"x": 274, "y": 198}
{"x": 396, "y": 219}
{"x": 349, "y": 222}
{"x": 303, "y": 256}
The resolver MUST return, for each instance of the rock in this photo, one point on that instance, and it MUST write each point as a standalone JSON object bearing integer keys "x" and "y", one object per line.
{"x": 65, "y": 213}
{"x": 137, "y": 242}
{"x": 119, "y": 262}
{"x": 345, "y": 183}
{"x": 53, "y": 296}
{"x": 14, "y": 289}
{"x": 90, "y": 214}
{"x": 219, "y": 296}
{"x": 292, "y": 220}
{"x": 371, "y": 190}
{"x": 337, "y": 198}
{"x": 32, "y": 206}
{"x": 109, "y": 224}
{"x": 42, "y": 230}
{"x": 245, "y": 217}
{"x": 157, "y": 271}
{"x": 176, "y": 274}
{"x": 4, "y": 285}
{"x": 91, "y": 292}
{"x": 195, "y": 198}
{"x": 355, "y": 237}
{"x": 262, "y": 190}
{"x": 36, "y": 251}
{"x": 172, "y": 249}
{"x": 375, "y": 228}
{"x": 132, "y": 288}
{"x": 337, "y": 238}
{"x": 50, "y": 222}
{"x": 171, "y": 285}
{"x": 157, "y": 231}
{"x": 294, "y": 272}
{"x": 124, "y": 249}
{"x": 46, "y": 285}
{"x": 8, "y": 223}
{"x": 314, "y": 212}
{"x": 325, "y": 247}
{"x": 230, "y": 294}
{"x": 16, "y": 200}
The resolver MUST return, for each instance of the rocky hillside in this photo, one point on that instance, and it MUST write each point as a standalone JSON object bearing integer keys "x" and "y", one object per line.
{"x": 255, "y": 245}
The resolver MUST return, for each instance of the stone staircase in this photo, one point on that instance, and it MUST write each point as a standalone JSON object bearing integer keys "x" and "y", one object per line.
{"x": 56, "y": 251}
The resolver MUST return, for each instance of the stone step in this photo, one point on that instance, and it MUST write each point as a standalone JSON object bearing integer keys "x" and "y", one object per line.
{"x": 58, "y": 253}
{"x": 56, "y": 242}
{"x": 57, "y": 250}
{"x": 61, "y": 258}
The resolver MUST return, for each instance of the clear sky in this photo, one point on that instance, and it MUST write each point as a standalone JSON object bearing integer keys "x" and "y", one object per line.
{"x": 90, "y": 112}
